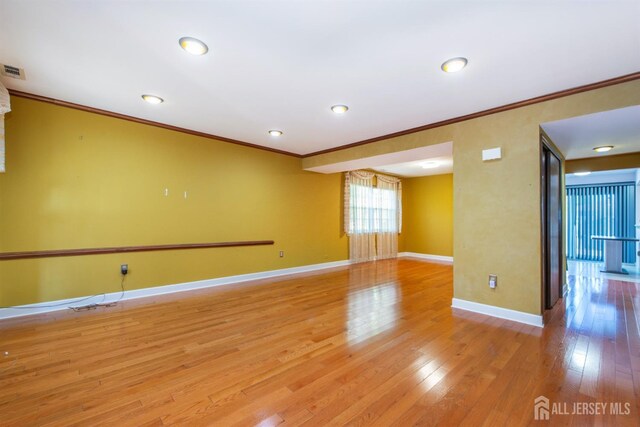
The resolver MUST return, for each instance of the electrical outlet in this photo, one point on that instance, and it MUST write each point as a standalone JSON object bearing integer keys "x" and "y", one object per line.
{"x": 281, "y": 254}
{"x": 124, "y": 269}
{"x": 493, "y": 281}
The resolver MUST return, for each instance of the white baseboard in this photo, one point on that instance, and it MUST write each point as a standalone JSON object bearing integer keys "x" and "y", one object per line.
{"x": 502, "y": 313}
{"x": 45, "y": 307}
{"x": 440, "y": 258}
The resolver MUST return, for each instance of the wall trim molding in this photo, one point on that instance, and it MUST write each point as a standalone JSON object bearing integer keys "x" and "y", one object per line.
{"x": 107, "y": 113}
{"x": 548, "y": 97}
{"x": 39, "y": 308}
{"x": 502, "y": 313}
{"x": 428, "y": 257}
{"x": 126, "y": 249}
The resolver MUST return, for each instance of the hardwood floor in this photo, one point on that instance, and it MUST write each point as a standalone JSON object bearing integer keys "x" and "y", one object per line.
{"x": 370, "y": 344}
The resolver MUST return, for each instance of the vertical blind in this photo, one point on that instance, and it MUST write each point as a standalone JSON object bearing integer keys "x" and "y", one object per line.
{"x": 604, "y": 210}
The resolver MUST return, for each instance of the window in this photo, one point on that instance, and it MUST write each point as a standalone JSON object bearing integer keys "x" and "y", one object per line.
{"x": 376, "y": 208}
{"x": 602, "y": 209}
{"x": 372, "y": 215}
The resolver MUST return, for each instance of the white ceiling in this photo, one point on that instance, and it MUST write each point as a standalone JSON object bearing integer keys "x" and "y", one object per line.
{"x": 576, "y": 137}
{"x": 407, "y": 163}
{"x": 282, "y": 63}
{"x": 416, "y": 168}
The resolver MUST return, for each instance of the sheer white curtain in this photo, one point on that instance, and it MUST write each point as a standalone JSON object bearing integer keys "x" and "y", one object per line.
{"x": 359, "y": 220}
{"x": 373, "y": 215}
{"x": 389, "y": 206}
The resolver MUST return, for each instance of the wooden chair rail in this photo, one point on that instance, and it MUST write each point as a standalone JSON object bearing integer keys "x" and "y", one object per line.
{"x": 122, "y": 249}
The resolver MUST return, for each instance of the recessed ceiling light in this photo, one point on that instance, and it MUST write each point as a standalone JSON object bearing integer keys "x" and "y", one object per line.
{"x": 454, "y": 65}
{"x": 275, "y": 132}
{"x": 339, "y": 109}
{"x": 193, "y": 46}
{"x": 582, "y": 173}
{"x": 429, "y": 165}
{"x": 603, "y": 148}
{"x": 152, "y": 99}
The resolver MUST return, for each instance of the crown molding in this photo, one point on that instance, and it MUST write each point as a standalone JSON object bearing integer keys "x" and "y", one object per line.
{"x": 548, "y": 97}
{"x": 145, "y": 122}
{"x": 507, "y": 107}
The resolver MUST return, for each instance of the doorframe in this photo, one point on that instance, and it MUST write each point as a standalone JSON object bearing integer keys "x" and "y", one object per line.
{"x": 546, "y": 143}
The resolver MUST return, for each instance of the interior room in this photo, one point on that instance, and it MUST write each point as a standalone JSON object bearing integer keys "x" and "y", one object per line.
{"x": 319, "y": 213}
{"x": 612, "y": 195}
{"x": 601, "y": 200}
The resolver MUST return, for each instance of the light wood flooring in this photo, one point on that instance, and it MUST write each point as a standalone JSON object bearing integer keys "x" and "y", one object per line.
{"x": 370, "y": 344}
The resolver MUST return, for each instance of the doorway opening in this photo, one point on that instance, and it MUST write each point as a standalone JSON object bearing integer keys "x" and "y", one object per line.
{"x": 551, "y": 214}
{"x": 601, "y": 174}
{"x": 601, "y": 223}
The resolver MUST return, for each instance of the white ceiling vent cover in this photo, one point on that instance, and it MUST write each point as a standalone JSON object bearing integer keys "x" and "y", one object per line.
{"x": 13, "y": 72}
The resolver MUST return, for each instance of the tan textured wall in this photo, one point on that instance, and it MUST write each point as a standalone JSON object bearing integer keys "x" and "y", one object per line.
{"x": 497, "y": 204}
{"x": 428, "y": 215}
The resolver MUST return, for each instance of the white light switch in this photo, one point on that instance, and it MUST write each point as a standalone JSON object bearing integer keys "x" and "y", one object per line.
{"x": 493, "y": 281}
{"x": 491, "y": 154}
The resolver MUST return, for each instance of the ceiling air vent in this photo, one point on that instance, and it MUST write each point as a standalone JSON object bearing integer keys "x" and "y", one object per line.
{"x": 13, "y": 72}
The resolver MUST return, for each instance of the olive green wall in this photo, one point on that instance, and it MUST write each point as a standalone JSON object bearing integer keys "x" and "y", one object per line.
{"x": 76, "y": 179}
{"x": 427, "y": 220}
{"x": 497, "y": 203}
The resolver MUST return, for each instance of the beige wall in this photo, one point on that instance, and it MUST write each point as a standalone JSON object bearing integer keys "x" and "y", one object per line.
{"x": 497, "y": 204}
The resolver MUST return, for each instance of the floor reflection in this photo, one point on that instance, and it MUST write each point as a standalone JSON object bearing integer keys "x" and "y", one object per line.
{"x": 592, "y": 269}
{"x": 372, "y": 311}
{"x": 601, "y": 291}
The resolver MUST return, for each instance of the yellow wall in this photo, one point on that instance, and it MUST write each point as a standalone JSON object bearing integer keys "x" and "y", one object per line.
{"x": 427, "y": 220}
{"x": 497, "y": 203}
{"x": 76, "y": 179}
{"x": 604, "y": 163}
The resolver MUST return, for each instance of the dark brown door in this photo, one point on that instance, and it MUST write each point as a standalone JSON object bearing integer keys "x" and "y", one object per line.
{"x": 555, "y": 230}
{"x": 551, "y": 204}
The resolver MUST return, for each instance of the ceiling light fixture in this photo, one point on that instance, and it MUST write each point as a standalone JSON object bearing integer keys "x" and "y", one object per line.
{"x": 454, "y": 65}
{"x": 275, "y": 132}
{"x": 429, "y": 165}
{"x": 339, "y": 109}
{"x": 193, "y": 46}
{"x": 603, "y": 148}
{"x": 585, "y": 173}
{"x": 152, "y": 99}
